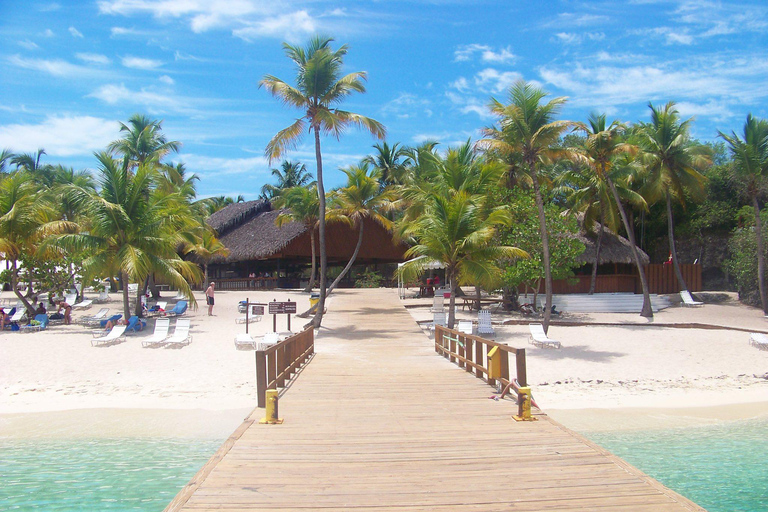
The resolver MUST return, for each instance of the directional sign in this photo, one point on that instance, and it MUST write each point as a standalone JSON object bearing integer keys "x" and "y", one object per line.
{"x": 282, "y": 308}
{"x": 257, "y": 310}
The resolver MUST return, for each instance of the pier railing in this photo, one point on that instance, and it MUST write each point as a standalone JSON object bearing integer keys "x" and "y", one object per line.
{"x": 276, "y": 364}
{"x": 247, "y": 283}
{"x": 471, "y": 353}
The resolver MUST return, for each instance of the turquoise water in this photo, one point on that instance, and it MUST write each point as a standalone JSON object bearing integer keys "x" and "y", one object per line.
{"x": 723, "y": 468}
{"x": 98, "y": 474}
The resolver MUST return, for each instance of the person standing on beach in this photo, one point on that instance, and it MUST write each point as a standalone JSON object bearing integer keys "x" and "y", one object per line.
{"x": 67, "y": 312}
{"x": 209, "y": 297}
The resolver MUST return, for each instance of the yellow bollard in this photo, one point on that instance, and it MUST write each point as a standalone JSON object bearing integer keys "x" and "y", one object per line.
{"x": 271, "y": 417}
{"x": 524, "y": 405}
{"x": 494, "y": 363}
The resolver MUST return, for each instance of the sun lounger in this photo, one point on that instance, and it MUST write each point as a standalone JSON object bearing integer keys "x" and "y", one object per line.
{"x": 70, "y": 298}
{"x": 158, "y": 308}
{"x": 539, "y": 338}
{"x": 244, "y": 341}
{"x": 113, "y": 336}
{"x": 18, "y": 315}
{"x": 180, "y": 334}
{"x": 759, "y": 340}
{"x": 92, "y": 319}
{"x": 135, "y": 324}
{"x": 159, "y": 336}
{"x": 688, "y": 299}
{"x": 465, "y": 326}
{"x": 251, "y": 318}
{"x": 178, "y": 309}
{"x": 83, "y": 304}
{"x": 113, "y": 319}
{"x": 42, "y": 323}
{"x": 484, "y": 325}
{"x": 102, "y": 298}
{"x": 438, "y": 318}
{"x": 437, "y": 303}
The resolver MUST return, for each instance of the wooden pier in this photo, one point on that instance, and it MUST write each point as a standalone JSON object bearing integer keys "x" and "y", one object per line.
{"x": 378, "y": 421}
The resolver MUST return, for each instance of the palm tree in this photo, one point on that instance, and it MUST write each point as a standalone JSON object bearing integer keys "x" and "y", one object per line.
{"x": 526, "y": 136}
{"x": 390, "y": 161}
{"x": 602, "y": 148}
{"x": 319, "y": 87}
{"x": 6, "y": 156}
{"x": 290, "y": 174}
{"x": 302, "y": 206}
{"x": 206, "y": 248}
{"x": 41, "y": 173}
{"x": 672, "y": 163}
{"x": 142, "y": 141}
{"x": 750, "y": 161}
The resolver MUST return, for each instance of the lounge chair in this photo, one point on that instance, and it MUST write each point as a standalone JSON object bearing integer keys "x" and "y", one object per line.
{"x": 180, "y": 334}
{"x": 135, "y": 324}
{"x": 539, "y": 338}
{"x": 251, "y": 318}
{"x": 438, "y": 318}
{"x": 244, "y": 341}
{"x": 117, "y": 333}
{"x": 465, "y": 326}
{"x": 158, "y": 308}
{"x": 19, "y": 315}
{"x": 83, "y": 304}
{"x": 437, "y": 304}
{"x": 159, "y": 336}
{"x": 102, "y": 298}
{"x": 759, "y": 340}
{"x": 178, "y": 309}
{"x": 92, "y": 319}
{"x": 113, "y": 319}
{"x": 133, "y": 288}
{"x": 42, "y": 323}
{"x": 484, "y": 325}
{"x": 688, "y": 299}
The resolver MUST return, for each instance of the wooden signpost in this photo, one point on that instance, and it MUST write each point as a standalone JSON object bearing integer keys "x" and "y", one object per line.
{"x": 281, "y": 308}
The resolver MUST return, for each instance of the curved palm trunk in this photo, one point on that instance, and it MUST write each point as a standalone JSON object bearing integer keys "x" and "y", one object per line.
{"x": 647, "y": 310}
{"x": 141, "y": 293}
{"x": 351, "y": 260}
{"x": 672, "y": 250}
{"x": 452, "y": 301}
{"x": 760, "y": 255}
{"x": 477, "y": 297}
{"x": 126, "y": 305}
{"x": 314, "y": 260}
{"x": 545, "y": 251}
{"x": 318, "y": 320}
{"x": 15, "y": 287}
{"x": 593, "y": 281}
{"x": 205, "y": 275}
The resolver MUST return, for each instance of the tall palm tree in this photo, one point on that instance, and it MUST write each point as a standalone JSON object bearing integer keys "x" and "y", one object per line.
{"x": 290, "y": 174}
{"x": 750, "y": 161}
{"x": 319, "y": 88}
{"x": 527, "y": 135}
{"x": 6, "y": 156}
{"x": 390, "y": 161}
{"x": 672, "y": 163}
{"x": 29, "y": 162}
{"x": 602, "y": 148}
{"x": 143, "y": 140}
{"x": 206, "y": 248}
{"x": 302, "y": 205}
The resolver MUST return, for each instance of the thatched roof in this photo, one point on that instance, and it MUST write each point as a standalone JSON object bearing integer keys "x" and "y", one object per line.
{"x": 256, "y": 237}
{"x": 236, "y": 214}
{"x": 613, "y": 248}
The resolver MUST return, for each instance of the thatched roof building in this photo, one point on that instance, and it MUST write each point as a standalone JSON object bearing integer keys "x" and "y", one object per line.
{"x": 613, "y": 248}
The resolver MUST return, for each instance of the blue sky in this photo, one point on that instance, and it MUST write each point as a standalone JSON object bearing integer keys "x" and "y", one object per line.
{"x": 73, "y": 70}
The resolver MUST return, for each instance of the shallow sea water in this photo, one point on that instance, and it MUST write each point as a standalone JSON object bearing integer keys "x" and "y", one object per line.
{"x": 723, "y": 467}
{"x": 98, "y": 474}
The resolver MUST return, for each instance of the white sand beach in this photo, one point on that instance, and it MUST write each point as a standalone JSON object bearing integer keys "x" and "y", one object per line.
{"x": 54, "y": 381}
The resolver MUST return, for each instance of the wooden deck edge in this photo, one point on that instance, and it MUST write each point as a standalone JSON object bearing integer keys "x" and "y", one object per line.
{"x": 188, "y": 490}
{"x": 690, "y": 325}
{"x": 629, "y": 468}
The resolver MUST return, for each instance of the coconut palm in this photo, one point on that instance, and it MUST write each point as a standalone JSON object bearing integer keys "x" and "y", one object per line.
{"x": 604, "y": 145}
{"x": 143, "y": 140}
{"x": 750, "y": 162}
{"x": 302, "y": 205}
{"x": 672, "y": 164}
{"x": 390, "y": 162}
{"x": 6, "y": 155}
{"x": 527, "y": 135}
{"x": 290, "y": 174}
{"x": 319, "y": 88}
{"x": 30, "y": 162}
{"x": 206, "y": 248}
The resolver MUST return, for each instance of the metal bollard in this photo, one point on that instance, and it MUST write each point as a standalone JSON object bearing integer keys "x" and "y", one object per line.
{"x": 271, "y": 417}
{"x": 524, "y": 405}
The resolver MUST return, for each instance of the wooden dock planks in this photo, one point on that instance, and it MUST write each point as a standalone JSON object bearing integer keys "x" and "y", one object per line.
{"x": 378, "y": 421}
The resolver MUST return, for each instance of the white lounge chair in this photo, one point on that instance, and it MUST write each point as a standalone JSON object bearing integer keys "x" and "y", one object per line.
{"x": 117, "y": 333}
{"x": 180, "y": 334}
{"x": 92, "y": 319}
{"x": 484, "y": 325}
{"x": 83, "y": 304}
{"x": 158, "y": 308}
{"x": 688, "y": 299}
{"x": 540, "y": 339}
{"x": 438, "y": 318}
{"x": 19, "y": 315}
{"x": 70, "y": 298}
{"x": 102, "y": 298}
{"x": 437, "y": 303}
{"x": 243, "y": 340}
{"x": 759, "y": 340}
{"x": 251, "y": 318}
{"x": 465, "y": 326}
{"x": 159, "y": 336}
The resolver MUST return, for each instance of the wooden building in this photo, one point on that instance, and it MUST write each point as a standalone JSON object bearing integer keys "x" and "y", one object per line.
{"x": 258, "y": 246}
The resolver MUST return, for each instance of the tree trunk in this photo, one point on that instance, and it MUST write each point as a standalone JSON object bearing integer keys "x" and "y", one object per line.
{"x": 318, "y": 320}
{"x": 126, "y": 301}
{"x": 15, "y": 287}
{"x": 760, "y": 256}
{"x": 314, "y": 260}
{"x": 593, "y": 281}
{"x": 205, "y": 275}
{"x": 153, "y": 286}
{"x": 647, "y": 310}
{"x": 452, "y": 301}
{"x": 478, "y": 304}
{"x": 351, "y": 260}
{"x": 141, "y": 292}
{"x": 545, "y": 251}
{"x": 672, "y": 250}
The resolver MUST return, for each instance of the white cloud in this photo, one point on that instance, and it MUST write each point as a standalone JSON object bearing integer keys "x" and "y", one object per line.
{"x": 141, "y": 63}
{"x": 55, "y": 67}
{"x": 128, "y": 32}
{"x": 293, "y": 26}
{"x": 29, "y": 45}
{"x": 166, "y": 80}
{"x": 487, "y": 54}
{"x": 201, "y": 164}
{"x": 61, "y": 135}
{"x": 489, "y": 80}
{"x": 93, "y": 58}
{"x": 75, "y": 32}
{"x": 48, "y": 33}
{"x": 572, "y": 38}
{"x": 570, "y": 19}
{"x": 152, "y": 99}
{"x": 407, "y": 106}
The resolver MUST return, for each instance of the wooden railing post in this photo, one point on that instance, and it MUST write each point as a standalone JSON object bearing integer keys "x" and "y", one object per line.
{"x": 504, "y": 365}
{"x": 522, "y": 374}
{"x": 261, "y": 378}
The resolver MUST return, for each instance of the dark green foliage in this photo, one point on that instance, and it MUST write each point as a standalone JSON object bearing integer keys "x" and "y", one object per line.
{"x": 742, "y": 266}
{"x": 368, "y": 279}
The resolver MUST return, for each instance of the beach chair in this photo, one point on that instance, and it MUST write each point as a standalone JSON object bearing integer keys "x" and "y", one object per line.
{"x": 135, "y": 324}
{"x": 437, "y": 304}
{"x": 180, "y": 336}
{"x": 19, "y": 315}
{"x": 158, "y": 308}
{"x": 251, "y": 318}
{"x": 133, "y": 288}
{"x": 85, "y": 304}
{"x": 161, "y": 333}
{"x": 92, "y": 319}
{"x": 438, "y": 318}
{"x": 178, "y": 309}
{"x": 243, "y": 341}
{"x": 688, "y": 299}
{"x": 759, "y": 340}
{"x": 539, "y": 338}
{"x": 113, "y": 319}
{"x": 102, "y": 298}
{"x": 42, "y": 323}
{"x": 117, "y": 333}
{"x": 484, "y": 325}
{"x": 465, "y": 327}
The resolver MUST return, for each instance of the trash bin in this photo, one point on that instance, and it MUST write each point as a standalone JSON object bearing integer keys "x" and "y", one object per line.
{"x": 314, "y": 298}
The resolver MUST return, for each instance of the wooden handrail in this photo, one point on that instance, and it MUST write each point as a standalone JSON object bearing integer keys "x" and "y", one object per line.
{"x": 276, "y": 364}
{"x": 471, "y": 353}
{"x": 246, "y": 283}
